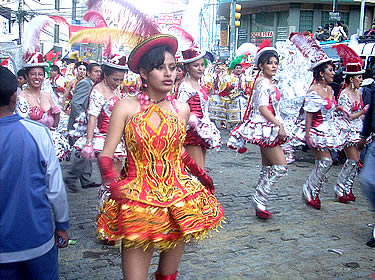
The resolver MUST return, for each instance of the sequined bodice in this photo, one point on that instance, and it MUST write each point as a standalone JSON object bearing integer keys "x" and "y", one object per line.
{"x": 155, "y": 172}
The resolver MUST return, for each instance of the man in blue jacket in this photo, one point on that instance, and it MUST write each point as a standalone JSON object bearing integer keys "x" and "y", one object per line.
{"x": 33, "y": 202}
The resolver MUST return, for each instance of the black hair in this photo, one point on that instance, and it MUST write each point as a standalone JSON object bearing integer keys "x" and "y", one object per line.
{"x": 154, "y": 58}
{"x": 28, "y": 69}
{"x": 56, "y": 68}
{"x": 91, "y": 66}
{"x": 22, "y": 73}
{"x": 348, "y": 76}
{"x": 108, "y": 70}
{"x": 8, "y": 85}
{"x": 321, "y": 68}
{"x": 266, "y": 56}
{"x": 238, "y": 64}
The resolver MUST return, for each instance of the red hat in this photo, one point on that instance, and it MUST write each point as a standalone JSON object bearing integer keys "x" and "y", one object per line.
{"x": 266, "y": 45}
{"x": 35, "y": 60}
{"x": 191, "y": 55}
{"x": 148, "y": 44}
{"x": 352, "y": 61}
{"x": 354, "y": 69}
{"x": 117, "y": 61}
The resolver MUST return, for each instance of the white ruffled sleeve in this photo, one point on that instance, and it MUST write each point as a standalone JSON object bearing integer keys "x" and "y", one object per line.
{"x": 262, "y": 94}
{"x": 96, "y": 103}
{"x": 313, "y": 102}
{"x": 23, "y": 107}
{"x": 185, "y": 92}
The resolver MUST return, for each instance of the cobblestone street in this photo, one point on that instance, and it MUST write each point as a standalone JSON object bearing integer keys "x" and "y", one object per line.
{"x": 295, "y": 244}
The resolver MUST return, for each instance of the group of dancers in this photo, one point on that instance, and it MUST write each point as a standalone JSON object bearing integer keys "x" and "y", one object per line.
{"x": 150, "y": 200}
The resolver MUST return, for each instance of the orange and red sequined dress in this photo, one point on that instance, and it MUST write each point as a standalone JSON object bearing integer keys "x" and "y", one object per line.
{"x": 157, "y": 203}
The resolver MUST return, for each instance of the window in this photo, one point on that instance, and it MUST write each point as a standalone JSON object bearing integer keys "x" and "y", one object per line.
{"x": 56, "y": 34}
{"x": 74, "y": 9}
{"x": 306, "y": 21}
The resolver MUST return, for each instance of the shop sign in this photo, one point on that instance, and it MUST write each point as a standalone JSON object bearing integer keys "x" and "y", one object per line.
{"x": 268, "y": 34}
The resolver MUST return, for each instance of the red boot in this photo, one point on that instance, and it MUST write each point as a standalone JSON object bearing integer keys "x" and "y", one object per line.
{"x": 158, "y": 276}
{"x": 351, "y": 196}
{"x": 263, "y": 214}
{"x": 315, "y": 203}
{"x": 343, "y": 199}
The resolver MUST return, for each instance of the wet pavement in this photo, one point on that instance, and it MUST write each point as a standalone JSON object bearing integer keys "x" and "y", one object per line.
{"x": 297, "y": 243}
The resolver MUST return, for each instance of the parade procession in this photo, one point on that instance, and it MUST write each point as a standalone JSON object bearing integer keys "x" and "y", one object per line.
{"x": 187, "y": 139}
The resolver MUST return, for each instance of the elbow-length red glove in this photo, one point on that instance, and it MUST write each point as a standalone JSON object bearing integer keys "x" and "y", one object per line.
{"x": 108, "y": 172}
{"x": 195, "y": 170}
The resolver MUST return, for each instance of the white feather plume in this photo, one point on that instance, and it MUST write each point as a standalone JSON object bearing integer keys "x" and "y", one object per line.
{"x": 32, "y": 32}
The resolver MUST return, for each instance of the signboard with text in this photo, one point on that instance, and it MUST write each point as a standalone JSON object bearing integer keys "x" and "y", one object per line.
{"x": 259, "y": 37}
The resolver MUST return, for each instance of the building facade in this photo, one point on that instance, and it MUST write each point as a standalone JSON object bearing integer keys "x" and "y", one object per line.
{"x": 275, "y": 20}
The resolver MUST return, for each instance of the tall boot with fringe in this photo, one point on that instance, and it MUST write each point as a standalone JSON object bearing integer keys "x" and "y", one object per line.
{"x": 345, "y": 181}
{"x": 266, "y": 180}
{"x": 313, "y": 184}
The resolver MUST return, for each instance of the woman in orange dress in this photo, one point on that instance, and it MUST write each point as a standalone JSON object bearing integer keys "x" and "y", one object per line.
{"x": 158, "y": 204}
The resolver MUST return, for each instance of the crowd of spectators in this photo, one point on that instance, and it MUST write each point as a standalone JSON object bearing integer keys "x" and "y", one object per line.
{"x": 332, "y": 32}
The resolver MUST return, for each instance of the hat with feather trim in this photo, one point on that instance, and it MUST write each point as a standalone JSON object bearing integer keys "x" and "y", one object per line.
{"x": 264, "y": 47}
{"x": 309, "y": 49}
{"x": 116, "y": 61}
{"x": 35, "y": 60}
{"x": 352, "y": 61}
{"x": 191, "y": 55}
{"x": 238, "y": 60}
{"x": 354, "y": 69}
{"x": 148, "y": 44}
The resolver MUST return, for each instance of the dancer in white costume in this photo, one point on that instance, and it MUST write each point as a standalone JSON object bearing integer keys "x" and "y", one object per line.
{"x": 320, "y": 128}
{"x": 350, "y": 98}
{"x": 263, "y": 126}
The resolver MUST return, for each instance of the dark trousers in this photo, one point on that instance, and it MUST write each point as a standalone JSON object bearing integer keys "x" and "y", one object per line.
{"x": 368, "y": 175}
{"x": 79, "y": 169}
{"x": 44, "y": 267}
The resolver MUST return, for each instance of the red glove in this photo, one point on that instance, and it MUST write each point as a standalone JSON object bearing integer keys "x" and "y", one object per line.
{"x": 198, "y": 172}
{"x": 109, "y": 174}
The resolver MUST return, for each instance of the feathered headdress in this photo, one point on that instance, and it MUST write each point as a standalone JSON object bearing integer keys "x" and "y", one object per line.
{"x": 134, "y": 23}
{"x": 247, "y": 49}
{"x": 309, "y": 49}
{"x": 350, "y": 58}
{"x": 186, "y": 41}
{"x": 32, "y": 36}
{"x": 238, "y": 60}
{"x": 187, "y": 46}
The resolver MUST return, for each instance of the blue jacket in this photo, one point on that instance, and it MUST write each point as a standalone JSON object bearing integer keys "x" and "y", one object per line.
{"x": 31, "y": 185}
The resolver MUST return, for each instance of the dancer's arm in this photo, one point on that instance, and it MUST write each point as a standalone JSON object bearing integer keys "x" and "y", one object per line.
{"x": 308, "y": 120}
